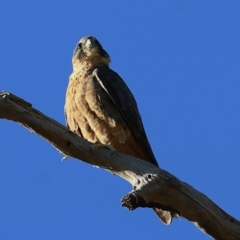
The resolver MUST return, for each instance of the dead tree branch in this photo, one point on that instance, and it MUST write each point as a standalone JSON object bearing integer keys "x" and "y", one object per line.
{"x": 152, "y": 186}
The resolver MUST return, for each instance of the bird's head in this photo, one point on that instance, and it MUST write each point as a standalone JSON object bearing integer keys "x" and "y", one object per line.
{"x": 89, "y": 53}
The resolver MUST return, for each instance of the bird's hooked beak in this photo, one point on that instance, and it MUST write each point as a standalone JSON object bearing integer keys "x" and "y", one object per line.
{"x": 92, "y": 43}
{"x": 89, "y": 43}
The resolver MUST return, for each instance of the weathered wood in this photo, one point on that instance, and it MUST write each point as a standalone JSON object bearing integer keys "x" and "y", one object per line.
{"x": 152, "y": 186}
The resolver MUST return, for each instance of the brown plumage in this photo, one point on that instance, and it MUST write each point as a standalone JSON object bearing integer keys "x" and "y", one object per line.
{"x": 100, "y": 107}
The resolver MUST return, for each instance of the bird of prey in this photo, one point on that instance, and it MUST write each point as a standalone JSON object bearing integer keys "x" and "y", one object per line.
{"x": 101, "y": 109}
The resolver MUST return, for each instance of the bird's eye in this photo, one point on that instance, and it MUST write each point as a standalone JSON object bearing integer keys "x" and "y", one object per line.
{"x": 79, "y": 46}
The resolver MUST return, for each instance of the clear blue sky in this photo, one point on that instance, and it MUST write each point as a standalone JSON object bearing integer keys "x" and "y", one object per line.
{"x": 180, "y": 59}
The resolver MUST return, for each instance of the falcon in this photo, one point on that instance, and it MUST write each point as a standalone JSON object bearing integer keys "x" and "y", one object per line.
{"x": 101, "y": 109}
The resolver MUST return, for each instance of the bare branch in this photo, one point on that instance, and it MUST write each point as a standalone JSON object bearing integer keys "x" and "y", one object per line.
{"x": 153, "y": 187}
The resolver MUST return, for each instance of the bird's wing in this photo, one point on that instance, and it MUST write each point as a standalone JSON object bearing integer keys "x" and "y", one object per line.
{"x": 124, "y": 101}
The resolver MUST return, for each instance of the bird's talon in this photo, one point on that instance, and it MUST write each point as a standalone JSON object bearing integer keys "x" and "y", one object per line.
{"x": 96, "y": 146}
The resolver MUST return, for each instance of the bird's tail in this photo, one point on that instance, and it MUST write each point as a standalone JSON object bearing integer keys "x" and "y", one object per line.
{"x": 165, "y": 216}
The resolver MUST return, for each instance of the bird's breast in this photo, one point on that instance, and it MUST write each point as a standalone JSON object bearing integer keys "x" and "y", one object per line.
{"x": 91, "y": 113}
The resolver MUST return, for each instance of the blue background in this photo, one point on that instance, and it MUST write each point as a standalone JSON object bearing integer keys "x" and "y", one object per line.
{"x": 181, "y": 61}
